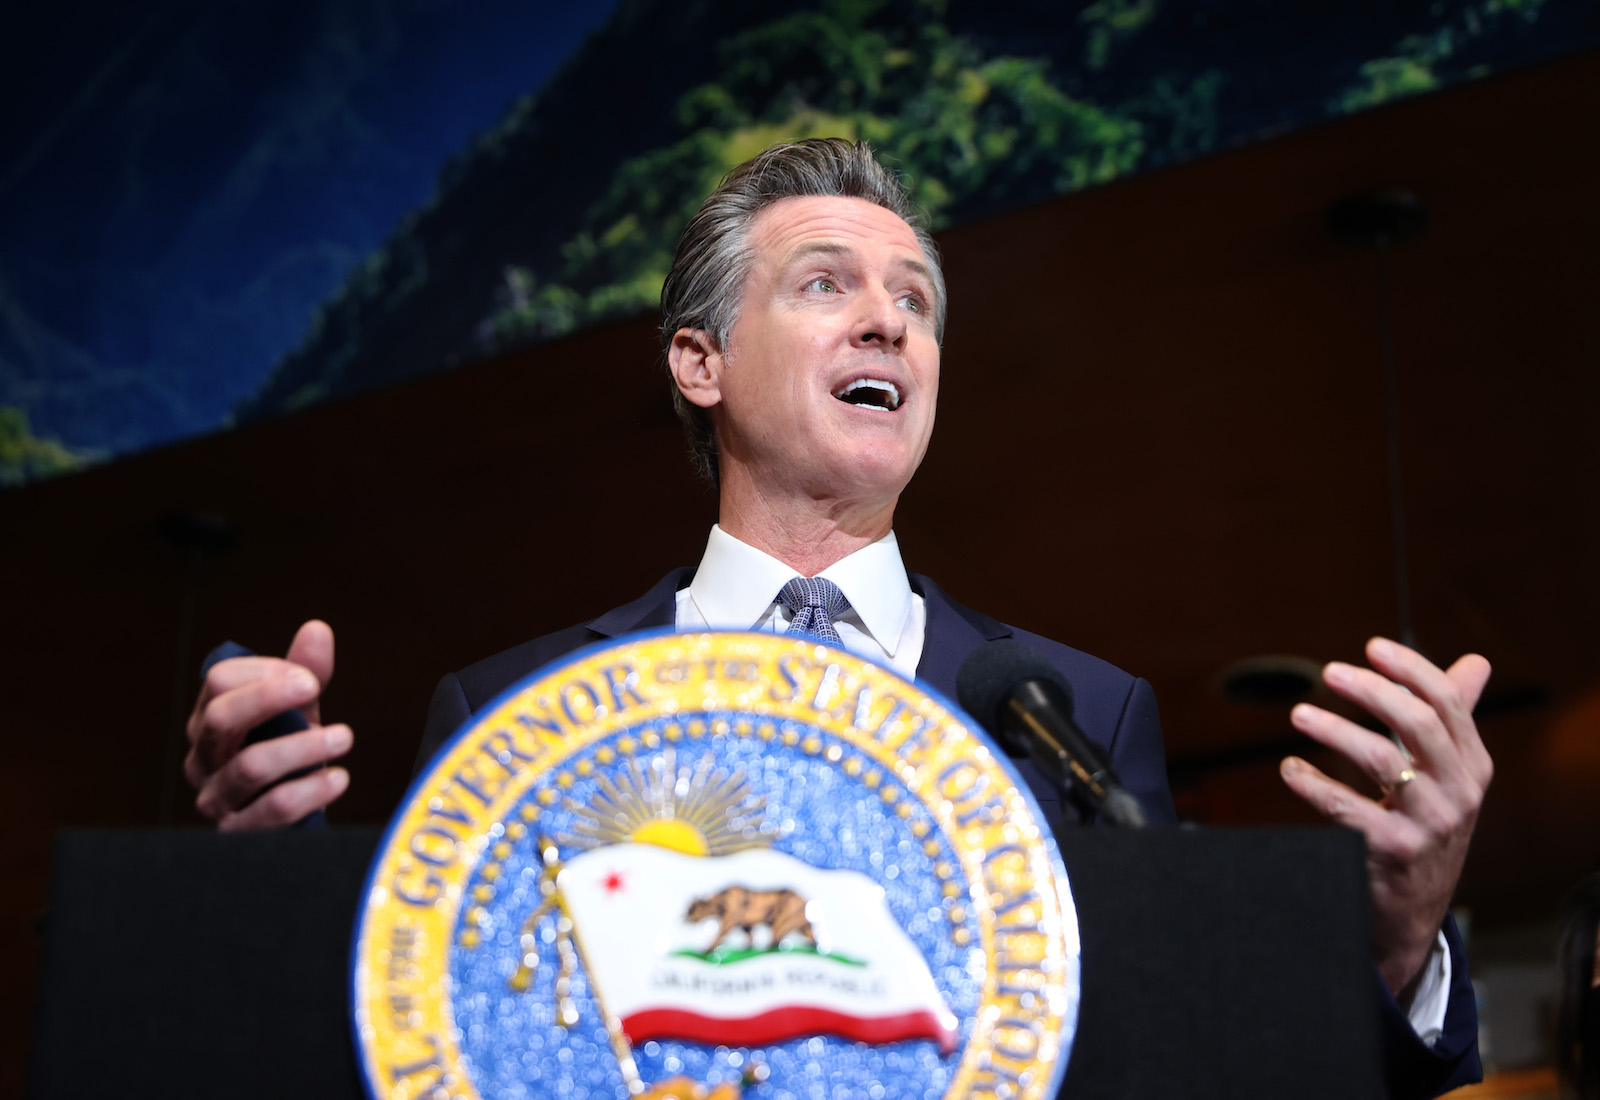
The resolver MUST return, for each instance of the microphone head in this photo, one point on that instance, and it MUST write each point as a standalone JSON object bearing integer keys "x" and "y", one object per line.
{"x": 992, "y": 671}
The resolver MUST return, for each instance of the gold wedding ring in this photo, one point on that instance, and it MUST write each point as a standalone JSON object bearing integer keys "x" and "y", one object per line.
{"x": 1399, "y": 782}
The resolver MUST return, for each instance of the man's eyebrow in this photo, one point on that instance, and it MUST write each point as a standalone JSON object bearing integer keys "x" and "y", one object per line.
{"x": 834, "y": 248}
{"x": 917, "y": 267}
{"x": 816, "y": 248}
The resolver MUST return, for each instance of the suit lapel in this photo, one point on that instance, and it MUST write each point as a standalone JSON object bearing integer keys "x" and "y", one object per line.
{"x": 952, "y": 633}
{"x": 656, "y": 608}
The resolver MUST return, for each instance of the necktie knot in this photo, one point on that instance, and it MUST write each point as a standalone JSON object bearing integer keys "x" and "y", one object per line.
{"x": 815, "y": 602}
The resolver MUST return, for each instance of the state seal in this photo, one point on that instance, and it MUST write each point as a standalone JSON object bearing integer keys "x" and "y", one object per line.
{"x": 712, "y": 865}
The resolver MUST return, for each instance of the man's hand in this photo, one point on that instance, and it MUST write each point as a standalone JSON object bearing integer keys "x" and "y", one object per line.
{"x": 240, "y": 694}
{"x": 1417, "y": 833}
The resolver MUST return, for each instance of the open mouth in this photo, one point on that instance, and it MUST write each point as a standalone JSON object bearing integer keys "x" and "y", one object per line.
{"x": 872, "y": 393}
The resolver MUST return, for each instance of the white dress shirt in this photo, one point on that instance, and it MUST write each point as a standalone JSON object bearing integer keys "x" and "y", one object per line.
{"x": 736, "y": 588}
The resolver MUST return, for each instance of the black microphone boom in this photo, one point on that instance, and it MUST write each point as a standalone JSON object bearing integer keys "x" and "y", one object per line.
{"x": 1026, "y": 703}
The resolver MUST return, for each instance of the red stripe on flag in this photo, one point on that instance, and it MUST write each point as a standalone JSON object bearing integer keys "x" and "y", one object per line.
{"x": 789, "y": 1022}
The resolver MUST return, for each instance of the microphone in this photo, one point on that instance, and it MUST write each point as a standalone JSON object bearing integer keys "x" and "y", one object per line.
{"x": 1026, "y": 703}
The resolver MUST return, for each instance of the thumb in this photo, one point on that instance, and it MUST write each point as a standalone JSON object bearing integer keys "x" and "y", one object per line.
{"x": 1470, "y": 674}
{"x": 312, "y": 648}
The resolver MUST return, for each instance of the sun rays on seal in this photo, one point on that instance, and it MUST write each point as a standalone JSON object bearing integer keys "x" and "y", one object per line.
{"x": 699, "y": 809}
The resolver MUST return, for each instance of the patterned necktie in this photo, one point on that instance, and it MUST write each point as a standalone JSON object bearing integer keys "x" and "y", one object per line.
{"x": 815, "y": 601}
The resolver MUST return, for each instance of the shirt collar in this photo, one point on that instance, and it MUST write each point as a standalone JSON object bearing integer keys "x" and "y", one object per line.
{"x": 737, "y": 584}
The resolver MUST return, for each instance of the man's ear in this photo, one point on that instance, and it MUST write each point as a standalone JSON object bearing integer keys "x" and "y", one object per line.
{"x": 696, "y": 365}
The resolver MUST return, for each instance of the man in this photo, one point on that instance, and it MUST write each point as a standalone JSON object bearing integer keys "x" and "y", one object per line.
{"x": 802, "y": 323}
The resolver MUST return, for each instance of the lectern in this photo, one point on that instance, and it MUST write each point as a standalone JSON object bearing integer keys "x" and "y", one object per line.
{"x": 1216, "y": 964}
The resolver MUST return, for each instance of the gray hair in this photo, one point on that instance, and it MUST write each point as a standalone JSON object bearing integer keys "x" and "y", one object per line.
{"x": 704, "y": 287}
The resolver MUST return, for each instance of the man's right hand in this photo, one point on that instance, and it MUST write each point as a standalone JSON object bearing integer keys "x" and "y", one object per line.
{"x": 240, "y": 694}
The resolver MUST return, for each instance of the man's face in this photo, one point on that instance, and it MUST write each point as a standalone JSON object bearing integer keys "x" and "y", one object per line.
{"x": 831, "y": 375}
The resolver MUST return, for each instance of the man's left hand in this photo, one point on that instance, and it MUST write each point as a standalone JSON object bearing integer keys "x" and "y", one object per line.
{"x": 1417, "y": 832}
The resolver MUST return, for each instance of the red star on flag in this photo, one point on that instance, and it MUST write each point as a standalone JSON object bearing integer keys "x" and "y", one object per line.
{"x": 612, "y": 882}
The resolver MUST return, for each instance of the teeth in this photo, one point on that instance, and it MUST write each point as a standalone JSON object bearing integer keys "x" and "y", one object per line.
{"x": 890, "y": 399}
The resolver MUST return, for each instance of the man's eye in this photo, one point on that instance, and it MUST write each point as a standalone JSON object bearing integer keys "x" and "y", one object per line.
{"x": 912, "y": 302}
{"x": 827, "y": 286}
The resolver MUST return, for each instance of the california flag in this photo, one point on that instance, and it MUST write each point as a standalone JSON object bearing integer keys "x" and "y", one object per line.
{"x": 747, "y": 949}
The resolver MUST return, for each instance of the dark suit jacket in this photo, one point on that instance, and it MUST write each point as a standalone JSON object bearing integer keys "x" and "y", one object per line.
{"x": 1115, "y": 709}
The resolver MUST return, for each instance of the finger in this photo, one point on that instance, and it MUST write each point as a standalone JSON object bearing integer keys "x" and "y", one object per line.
{"x": 225, "y": 676}
{"x": 290, "y": 802}
{"x": 263, "y": 764}
{"x": 1464, "y": 767}
{"x": 1333, "y": 800}
{"x": 231, "y": 675}
{"x": 217, "y": 729}
{"x": 1452, "y": 694}
{"x": 236, "y": 672}
{"x": 312, "y": 648}
{"x": 1376, "y": 755}
{"x": 1396, "y": 837}
{"x": 1410, "y": 716}
{"x": 1470, "y": 675}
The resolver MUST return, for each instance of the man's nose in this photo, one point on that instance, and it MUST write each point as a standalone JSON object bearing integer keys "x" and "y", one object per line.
{"x": 881, "y": 321}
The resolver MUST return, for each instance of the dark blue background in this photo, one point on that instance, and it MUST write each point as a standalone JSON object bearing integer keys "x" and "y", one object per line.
{"x": 182, "y": 182}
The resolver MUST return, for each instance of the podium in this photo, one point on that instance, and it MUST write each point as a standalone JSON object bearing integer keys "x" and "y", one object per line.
{"x": 1216, "y": 964}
